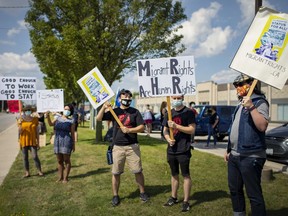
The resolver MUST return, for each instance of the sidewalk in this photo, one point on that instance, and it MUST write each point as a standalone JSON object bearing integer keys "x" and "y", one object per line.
{"x": 9, "y": 150}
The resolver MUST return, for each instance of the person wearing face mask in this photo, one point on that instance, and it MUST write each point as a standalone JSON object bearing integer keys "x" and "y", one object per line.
{"x": 125, "y": 143}
{"x": 179, "y": 149}
{"x": 64, "y": 141}
{"x": 29, "y": 139}
{"x": 246, "y": 153}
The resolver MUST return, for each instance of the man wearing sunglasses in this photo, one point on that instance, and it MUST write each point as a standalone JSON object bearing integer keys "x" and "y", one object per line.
{"x": 246, "y": 152}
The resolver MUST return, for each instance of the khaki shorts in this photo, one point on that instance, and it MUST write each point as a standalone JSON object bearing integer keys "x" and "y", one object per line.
{"x": 129, "y": 153}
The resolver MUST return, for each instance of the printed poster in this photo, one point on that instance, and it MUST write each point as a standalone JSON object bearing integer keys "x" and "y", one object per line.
{"x": 50, "y": 100}
{"x": 17, "y": 88}
{"x": 263, "y": 53}
{"x": 166, "y": 76}
{"x": 95, "y": 88}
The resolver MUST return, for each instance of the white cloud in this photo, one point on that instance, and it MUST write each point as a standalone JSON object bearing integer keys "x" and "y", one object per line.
{"x": 224, "y": 76}
{"x": 200, "y": 37}
{"x": 12, "y": 64}
{"x": 16, "y": 30}
{"x": 247, "y": 9}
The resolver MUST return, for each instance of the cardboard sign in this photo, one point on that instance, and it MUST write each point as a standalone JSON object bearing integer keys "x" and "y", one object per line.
{"x": 50, "y": 100}
{"x": 95, "y": 88}
{"x": 263, "y": 53}
{"x": 166, "y": 76}
{"x": 18, "y": 88}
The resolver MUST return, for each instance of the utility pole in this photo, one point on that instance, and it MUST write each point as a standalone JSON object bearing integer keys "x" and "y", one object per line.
{"x": 258, "y": 4}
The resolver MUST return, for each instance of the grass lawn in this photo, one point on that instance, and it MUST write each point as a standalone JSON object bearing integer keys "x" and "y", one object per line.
{"x": 89, "y": 189}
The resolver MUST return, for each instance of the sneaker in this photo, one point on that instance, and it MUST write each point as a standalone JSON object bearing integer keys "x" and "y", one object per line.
{"x": 115, "y": 200}
{"x": 144, "y": 197}
{"x": 185, "y": 207}
{"x": 171, "y": 201}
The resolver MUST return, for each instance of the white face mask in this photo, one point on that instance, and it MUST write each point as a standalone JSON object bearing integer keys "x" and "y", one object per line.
{"x": 66, "y": 113}
{"x": 177, "y": 103}
{"x": 28, "y": 113}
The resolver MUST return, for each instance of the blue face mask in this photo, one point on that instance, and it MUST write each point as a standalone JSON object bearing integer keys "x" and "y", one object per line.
{"x": 66, "y": 113}
{"x": 177, "y": 103}
{"x": 28, "y": 113}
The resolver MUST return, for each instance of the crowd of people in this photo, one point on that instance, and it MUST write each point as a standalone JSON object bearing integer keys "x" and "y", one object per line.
{"x": 245, "y": 154}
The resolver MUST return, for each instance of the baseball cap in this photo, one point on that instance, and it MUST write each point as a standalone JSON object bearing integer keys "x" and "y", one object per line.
{"x": 241, "y": 79}
{"x": 126, "y": 91}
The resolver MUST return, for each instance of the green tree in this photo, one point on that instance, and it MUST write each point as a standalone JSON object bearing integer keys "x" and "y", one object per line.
{"x": 70, "y": 37}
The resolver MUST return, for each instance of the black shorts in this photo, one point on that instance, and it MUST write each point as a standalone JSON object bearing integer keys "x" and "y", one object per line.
{"x": 180, "y": 159}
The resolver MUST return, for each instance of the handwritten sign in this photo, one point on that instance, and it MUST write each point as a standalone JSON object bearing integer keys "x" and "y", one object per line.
{"x": 50, "y": 100}
{"x": 95, "y": 88}
{"x": 18, "y": 88}
{"x": 263, "y": 53}
{"x": 166, "y": 76}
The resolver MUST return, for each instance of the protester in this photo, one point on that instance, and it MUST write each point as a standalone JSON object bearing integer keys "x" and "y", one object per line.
{"x": 191, "y": 106}
{"x": 76, "y": 118}
{"x": 212, "y": 126}
{"x": 179, "y": 150}
{"x": 148, "y": 119}
{"x": 64, "y": 141}
{"x": 29, "y": 139}
{"x": 163, "y": 111}
{"x": 246, "y": 153}
{"x": 125, "y": 143}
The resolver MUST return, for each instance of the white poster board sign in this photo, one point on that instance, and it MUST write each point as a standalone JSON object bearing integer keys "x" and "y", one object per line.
{"x": 95, "y": 88}
{"x": 166, "y": 76}
{"x": 263, "y": 53}
{"x": 50, "y": 100}
{"x": 17, "y": 88}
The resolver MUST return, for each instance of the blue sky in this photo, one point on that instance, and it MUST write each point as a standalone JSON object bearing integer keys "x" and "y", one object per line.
{"x": 212, "y": 33}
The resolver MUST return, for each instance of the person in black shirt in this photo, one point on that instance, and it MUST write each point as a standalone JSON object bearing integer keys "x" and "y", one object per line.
{"x": 125, "y": 143}
{"x": 212, "y": 126}
{"x": 179, "y": 149}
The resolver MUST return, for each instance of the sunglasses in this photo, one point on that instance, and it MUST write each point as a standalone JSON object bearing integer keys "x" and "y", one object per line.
{"x": 239, "y": 84}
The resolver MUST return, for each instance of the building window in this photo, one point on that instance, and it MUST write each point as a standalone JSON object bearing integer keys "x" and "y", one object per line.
{"x": 282, "y": 112}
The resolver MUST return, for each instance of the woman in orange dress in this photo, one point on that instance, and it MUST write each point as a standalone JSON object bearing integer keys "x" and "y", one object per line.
{"x": 29, "y": 139}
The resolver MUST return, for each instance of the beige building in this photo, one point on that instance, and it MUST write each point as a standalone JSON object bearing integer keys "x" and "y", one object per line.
{"x": 225, "y": 94}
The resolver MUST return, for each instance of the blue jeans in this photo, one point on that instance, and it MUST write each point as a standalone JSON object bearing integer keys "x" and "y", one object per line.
{"x": 246, "y": 171}
{"x": 211, "y": 133}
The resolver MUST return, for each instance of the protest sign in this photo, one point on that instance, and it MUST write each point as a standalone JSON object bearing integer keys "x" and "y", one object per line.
{"x": 263, "y": 53}
{"x": 166, "y": 76}
{"x": 50, "y": 100}
{"x": 18, "y": 88}
{"x": 95, "y": 88}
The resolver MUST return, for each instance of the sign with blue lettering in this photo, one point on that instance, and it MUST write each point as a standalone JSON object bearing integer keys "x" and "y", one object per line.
{"x": 50, "y": 100}
{"x": 166, "y": 76}
{"x": 17, "y": 88}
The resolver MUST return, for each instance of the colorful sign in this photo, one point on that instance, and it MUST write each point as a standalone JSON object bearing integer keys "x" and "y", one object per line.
{"x": 263, "y": 53}
{"x": 166, "y": 76}
{"x": 95, "y": 88}
{"x": 50, "y": 100}
{"x": 17, "y": 88}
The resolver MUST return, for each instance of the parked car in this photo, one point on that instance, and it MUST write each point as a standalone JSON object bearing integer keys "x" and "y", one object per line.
{"x": 277, "y": 144}
{"x": 225, "y": 113}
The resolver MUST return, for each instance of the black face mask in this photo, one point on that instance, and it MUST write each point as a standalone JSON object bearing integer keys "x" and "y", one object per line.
{"x": 126, "y": 102}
